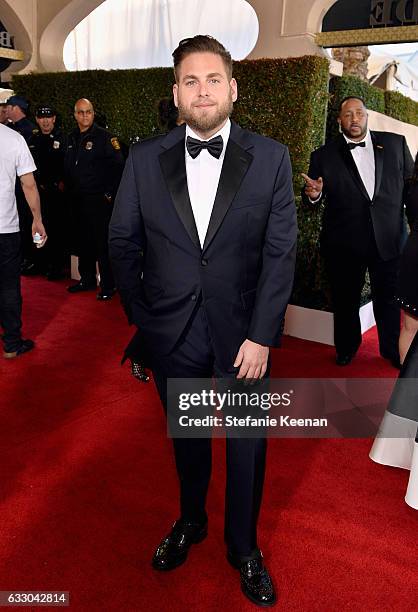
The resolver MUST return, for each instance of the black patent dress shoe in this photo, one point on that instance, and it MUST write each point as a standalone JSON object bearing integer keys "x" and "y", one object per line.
{"x": 29, "y": 269}
{"x": 106, "y": 294}
{"x": 81, "y": 286}
{"x": 343, "y": 360}
{"x": 173, "y": 549}
{"x": 256, "y": 583}
{"x": 138, "y": 371}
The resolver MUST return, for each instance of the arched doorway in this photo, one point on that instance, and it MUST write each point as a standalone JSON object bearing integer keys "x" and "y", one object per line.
{"x": 16, "y": 28}
{"x": 53, "y": 37}
{"x": 143, "y": 33}
{"x": 288, "y": 27}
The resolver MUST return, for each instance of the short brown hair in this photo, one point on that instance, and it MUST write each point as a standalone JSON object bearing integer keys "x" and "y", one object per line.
{"x": 201, "y": 44}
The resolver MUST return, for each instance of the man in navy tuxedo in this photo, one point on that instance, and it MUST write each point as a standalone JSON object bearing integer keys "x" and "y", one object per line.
{"x": 202, "y": 242}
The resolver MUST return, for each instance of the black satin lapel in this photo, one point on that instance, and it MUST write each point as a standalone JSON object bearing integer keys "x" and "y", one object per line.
{"x": 235, "y": 166}
{"x": 173, "y": 166}
{"x": 352, "y": 168}
{"x": 378, "y": 162}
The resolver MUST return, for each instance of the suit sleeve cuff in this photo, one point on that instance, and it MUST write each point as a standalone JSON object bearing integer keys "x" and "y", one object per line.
{"x": 317, "y": 199}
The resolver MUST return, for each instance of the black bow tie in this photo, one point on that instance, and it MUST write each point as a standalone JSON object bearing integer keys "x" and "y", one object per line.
{"x": 214, "y": 146}
{"x": 353, "y": 145}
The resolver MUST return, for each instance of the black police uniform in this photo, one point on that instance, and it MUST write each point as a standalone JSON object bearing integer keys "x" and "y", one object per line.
{"x": 48, "y": 151}
{"x": 93, "y": 169}
{"x": 24, "y": 127}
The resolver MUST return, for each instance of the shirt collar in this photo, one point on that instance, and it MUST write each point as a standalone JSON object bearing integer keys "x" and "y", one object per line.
{"x": 86, "y": 132}
{"x": 367, "y": 139}
{"x": 224, "y": 132}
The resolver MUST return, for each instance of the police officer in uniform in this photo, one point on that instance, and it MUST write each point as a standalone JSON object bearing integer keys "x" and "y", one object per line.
{"x": 16, "y": 111}
{"x": 47, "y": 146}
{"x": 93, "y": 168}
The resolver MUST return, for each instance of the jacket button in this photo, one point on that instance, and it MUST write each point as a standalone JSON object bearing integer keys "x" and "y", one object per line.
{"x": 193, "y": 297}
{"x": 204, "y": 262}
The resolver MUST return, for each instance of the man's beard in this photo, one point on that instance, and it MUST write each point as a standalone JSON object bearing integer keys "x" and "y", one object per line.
{"x": 360, "y": 136}
{"x": 206, "y": 122}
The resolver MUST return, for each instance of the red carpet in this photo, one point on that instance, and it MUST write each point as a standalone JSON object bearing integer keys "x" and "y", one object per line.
{"x": 88, "y": 484}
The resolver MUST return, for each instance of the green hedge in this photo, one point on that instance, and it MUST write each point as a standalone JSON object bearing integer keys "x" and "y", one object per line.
{"x": 127, "y": 99}
{"x": 285, "y": 99}
{"x": 401, "y": 107}
{"x": 294, "y": 113}
{"x": 281, "y": 98}
{"x": 390, "y": 103}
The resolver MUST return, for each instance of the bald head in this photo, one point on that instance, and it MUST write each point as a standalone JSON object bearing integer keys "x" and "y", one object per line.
{"x": 353, "y": 118}
{"x": 84, "y": 114}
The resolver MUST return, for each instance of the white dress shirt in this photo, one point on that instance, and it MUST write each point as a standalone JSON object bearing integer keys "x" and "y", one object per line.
{"x": 364, "y": 160}
{"x": 203, "y": 175}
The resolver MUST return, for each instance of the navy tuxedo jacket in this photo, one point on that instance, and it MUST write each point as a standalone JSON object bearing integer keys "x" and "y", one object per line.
{"x": 349, "y": 211}
{"x": 244, "y": 272}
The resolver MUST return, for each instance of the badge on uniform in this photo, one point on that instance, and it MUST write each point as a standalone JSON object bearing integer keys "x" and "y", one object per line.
{"x": 115, "y": 143}
{"x": 89, "y": 145}
{"x": 56, "y": 144}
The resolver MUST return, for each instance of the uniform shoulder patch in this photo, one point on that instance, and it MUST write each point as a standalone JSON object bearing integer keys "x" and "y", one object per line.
{"x": 115, "y": 143}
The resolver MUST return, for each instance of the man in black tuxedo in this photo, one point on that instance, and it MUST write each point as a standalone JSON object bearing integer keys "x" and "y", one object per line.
{"x": 361, "y": 177}
{"x": 202, "y": 241}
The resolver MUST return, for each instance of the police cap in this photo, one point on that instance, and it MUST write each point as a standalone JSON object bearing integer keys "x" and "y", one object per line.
{"x": 45, "y": 110}
{"x": 19, "y": 101}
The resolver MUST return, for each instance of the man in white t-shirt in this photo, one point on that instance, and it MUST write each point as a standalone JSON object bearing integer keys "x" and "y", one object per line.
{"x": 15, "y": 160}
